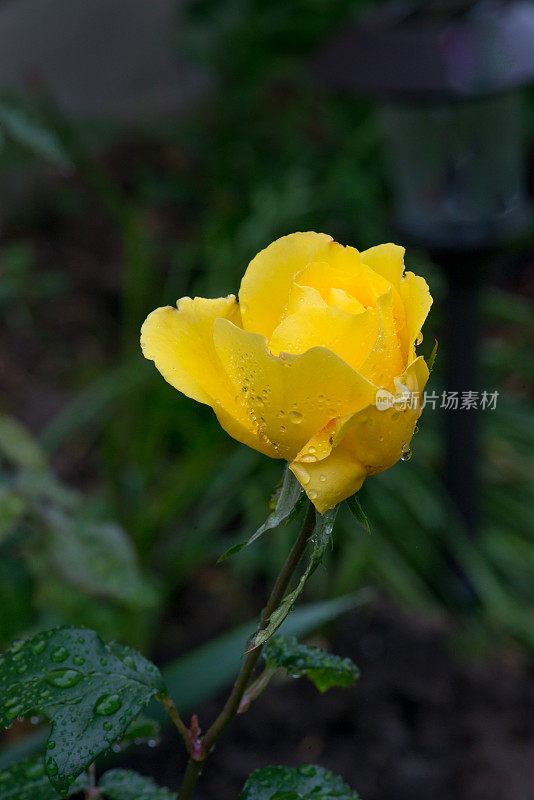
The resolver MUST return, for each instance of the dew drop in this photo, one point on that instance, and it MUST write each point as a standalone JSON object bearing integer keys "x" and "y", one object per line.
{"x": 59, "y": 654}
{"x": 63, "y": 678}
{"x": 17, "y": 646}
{"x": 107, "y": 725}
{"x": 130, "y": 662}
{"x": 406, "y": 453}
{"x": 108, "y": 704}
{"x": 312, "y": 494}
{"x": 416, "y": 430}
{"x": 322, "y": 478}
{"x": 418, "y": 339}
{"x": 51, "y": 767}
{"x": 304, "y": 477}
{"x": 79, "y": 660}
{"x": 38, "y": 647}
{"x": 296, "y": 417}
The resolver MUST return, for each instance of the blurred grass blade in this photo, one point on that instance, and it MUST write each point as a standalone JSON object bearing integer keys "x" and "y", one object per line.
{"x": 18, "y": 445}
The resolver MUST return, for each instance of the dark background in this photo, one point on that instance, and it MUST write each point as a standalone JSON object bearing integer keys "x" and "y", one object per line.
{"x": 149, "y": 151}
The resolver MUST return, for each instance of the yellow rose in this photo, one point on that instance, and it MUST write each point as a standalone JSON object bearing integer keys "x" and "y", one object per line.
{"x": 293, "y": 368}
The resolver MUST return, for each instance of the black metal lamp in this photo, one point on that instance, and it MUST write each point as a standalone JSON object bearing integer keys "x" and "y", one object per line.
{"x": 447, "y": 77}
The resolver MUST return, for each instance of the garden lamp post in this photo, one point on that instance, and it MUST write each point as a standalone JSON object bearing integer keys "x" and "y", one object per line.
{"x": 447, "y": 77}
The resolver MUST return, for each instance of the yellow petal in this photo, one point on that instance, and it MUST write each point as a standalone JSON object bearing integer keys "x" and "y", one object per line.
{"x": 417, "y": 300}
{"x": 180, "y": 342}
{"x": 266, "y": 284}
{"x": 304, "y": 297}
{"x": 329, "y": 482}
{"x": 387, "y": 260}
{"x": 292, "y": 397}
{"x": 340, "y": 298}
{"x": 385, "y": 360}
{"x": 344, "y": 270}
{"x": 339, "y": 457}
{"x": 350, "y": 336}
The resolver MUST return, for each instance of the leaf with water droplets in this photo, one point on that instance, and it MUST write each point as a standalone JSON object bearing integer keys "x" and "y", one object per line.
{"x": 124, "y": 784}
{"x": 301, "y": 660}
{"x": 307, "y": 782}
{"x": 90, "y": 691}
{"x": 320, "y": 539}
{"x": 287, "y": 504}
{"x": 356, "y": 508}
{"x": 28, "y": 780}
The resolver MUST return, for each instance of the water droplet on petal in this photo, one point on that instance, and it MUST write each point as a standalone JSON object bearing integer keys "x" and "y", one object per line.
{"x": 304, "y": 477}
{"x": 405, "y": 452}
{"x": 296, "y": 417}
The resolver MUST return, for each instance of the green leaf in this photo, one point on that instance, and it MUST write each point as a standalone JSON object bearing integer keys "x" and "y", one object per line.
{"x": 356, "y": 508}
{"x": 28, "y": 780}
{"x": 300, "y": 660}
{"x": 124, "y": 784}
{"x": 432, "y": 357}
{"x": 320, "y": 539}
{"x": 287, "y": 505}
{"x": 89, "y": 690}
{"x": 97, "y": 557}
{"x": 18, "y": 445}
{"x": 307, "y": 782}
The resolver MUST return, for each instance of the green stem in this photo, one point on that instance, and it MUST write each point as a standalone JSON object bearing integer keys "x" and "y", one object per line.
{"x": 231, "y": 707}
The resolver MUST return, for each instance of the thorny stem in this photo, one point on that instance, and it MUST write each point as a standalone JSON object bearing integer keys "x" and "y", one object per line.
{"x": 231, "y": 707}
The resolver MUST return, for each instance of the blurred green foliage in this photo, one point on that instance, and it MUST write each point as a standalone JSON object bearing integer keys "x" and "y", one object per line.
{"x": 184, "y": 207}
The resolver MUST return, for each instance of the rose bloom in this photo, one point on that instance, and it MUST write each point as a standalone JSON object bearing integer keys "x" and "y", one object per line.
{"x": 292, "y": 369}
